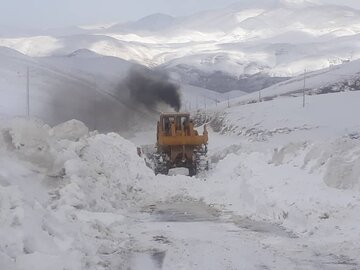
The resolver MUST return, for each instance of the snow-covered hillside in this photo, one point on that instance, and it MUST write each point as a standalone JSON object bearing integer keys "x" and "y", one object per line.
{"x": 82, "y": 85}
{"x": 340, "y": 78}
{"x": 59, "y": 90}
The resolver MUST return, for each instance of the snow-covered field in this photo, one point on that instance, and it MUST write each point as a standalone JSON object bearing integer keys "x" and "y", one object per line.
{"x": 282, "y": 193}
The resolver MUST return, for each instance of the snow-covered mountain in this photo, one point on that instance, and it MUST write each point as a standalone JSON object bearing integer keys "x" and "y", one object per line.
{"x": 59, "y": 87}
{"x": 247, "y": 46}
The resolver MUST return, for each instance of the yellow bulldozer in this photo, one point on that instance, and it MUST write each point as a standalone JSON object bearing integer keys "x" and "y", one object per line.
{"x": 180, "y": 145}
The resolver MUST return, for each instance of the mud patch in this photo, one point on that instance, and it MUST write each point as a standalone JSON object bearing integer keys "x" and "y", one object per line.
{"x": 334, "y": 262}
{"x": 195, "y": 211}
{"x": 151, "y": 260}
{"x": 183, "y": 212}
{"x": 261, "y": 227}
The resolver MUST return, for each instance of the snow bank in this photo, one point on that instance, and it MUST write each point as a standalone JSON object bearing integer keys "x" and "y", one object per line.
{"x": 63, "y": 193}
{"x": 337, "y": 161}
{"x": 295, "y": 166}
{"x": 292, "y": 192}
{"x": 71, "y": 130}
{"x": 106, "y": 175}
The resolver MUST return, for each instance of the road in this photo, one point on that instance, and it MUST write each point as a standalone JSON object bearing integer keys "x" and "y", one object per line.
{"x": 193, "y": 235}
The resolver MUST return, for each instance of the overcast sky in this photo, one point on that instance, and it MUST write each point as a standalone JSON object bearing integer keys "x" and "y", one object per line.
{"x": 59, "y": 13}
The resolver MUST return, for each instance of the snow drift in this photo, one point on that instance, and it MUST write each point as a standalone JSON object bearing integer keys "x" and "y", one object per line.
{"x": 60, "y": 187}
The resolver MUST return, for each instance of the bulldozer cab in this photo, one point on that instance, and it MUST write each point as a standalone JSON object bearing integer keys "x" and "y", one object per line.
{"x": 178, "y": 129}
{"x": 171, "y": 123}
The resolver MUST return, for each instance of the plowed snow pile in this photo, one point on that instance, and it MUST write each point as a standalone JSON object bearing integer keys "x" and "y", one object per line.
{"x": 298, "y": 167}
{"x": 322, "y": 139}
{"x": 61, "y": 189}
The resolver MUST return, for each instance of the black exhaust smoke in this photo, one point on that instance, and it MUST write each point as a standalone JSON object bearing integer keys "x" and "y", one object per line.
{"x": 150, "y": 88}
{"x": 134, "y": 99}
